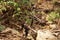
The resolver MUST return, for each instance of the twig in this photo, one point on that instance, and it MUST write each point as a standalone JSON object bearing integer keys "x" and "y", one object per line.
{"x": 30, "y": 28}
{"x": 36, "y": 18}
{"x": 56, "y": 30}
{"x": 15, "y": 24}
{"x": 25, "y": 26}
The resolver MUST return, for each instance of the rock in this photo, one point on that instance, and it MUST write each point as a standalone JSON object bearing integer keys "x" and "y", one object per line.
{"x": 45, "y": 35}
{"x": 53, "y": 26}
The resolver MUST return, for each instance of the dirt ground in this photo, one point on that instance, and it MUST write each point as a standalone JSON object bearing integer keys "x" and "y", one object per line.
{"x": 18, "y": 30}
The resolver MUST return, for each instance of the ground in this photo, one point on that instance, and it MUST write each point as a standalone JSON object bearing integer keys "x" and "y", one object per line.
{"x": 41, "y": 15}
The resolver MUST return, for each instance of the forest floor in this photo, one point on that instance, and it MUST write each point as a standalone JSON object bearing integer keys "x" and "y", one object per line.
{"x": 21, "y": 30}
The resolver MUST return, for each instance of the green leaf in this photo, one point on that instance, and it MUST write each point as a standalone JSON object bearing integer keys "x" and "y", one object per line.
{"x": 18, "y": 9}
{"x": 28, "y": 21}
{"x": 52, "y": 16}
{"x": 24, "y": 1}
{"x": 2, "y": 28}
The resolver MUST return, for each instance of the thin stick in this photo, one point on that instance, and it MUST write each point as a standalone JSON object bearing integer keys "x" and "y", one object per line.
{"x": 24, "y": 25}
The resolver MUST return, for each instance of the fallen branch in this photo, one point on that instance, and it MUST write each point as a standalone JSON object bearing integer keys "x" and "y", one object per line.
{"x": 36, "y": 18}
{"x": 25, "y": 25}
{"x": 30, "y": 28}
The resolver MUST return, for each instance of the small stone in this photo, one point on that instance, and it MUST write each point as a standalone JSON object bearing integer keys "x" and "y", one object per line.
{"x": 53, "y": 26}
